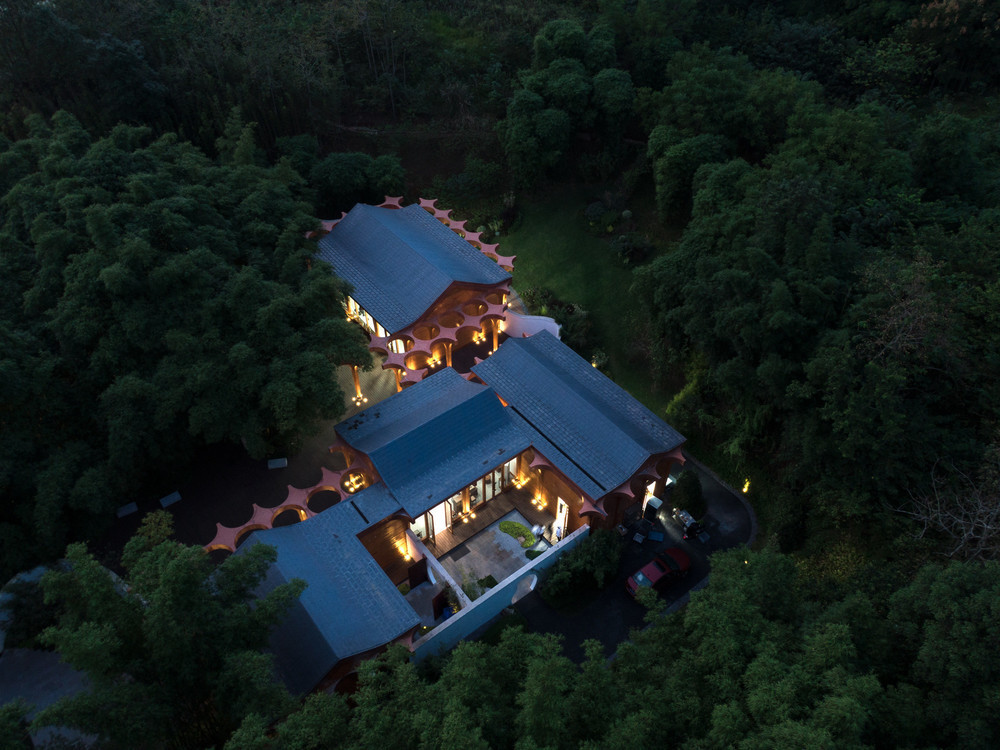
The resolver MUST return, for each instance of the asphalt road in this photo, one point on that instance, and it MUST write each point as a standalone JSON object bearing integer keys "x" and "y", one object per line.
{"x": 611, "y": 616}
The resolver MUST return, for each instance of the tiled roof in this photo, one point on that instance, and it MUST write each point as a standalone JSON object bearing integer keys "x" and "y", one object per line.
{"x": 400, "y": 261}
{"x": 434, "y": 437}
{"x": 595, "y": 424}
{"x": 558, "y": 459}
{"x": 349, "y": 605}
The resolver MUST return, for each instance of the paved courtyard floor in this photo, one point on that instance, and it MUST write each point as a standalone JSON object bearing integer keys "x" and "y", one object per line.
{"x": 490, "y": 552}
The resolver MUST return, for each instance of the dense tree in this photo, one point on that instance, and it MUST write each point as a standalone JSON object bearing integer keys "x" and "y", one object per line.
{"x": 14, "y": 726}
{"x": 820, "y": 293}
{"x": 321, "y": 723}
{"x": 829, "y": 171}
{"x": 572, "y": 86}
{"x": 963, "y": 37}
{"x": 48, "y": 62}
{"x": 763, "y": 657}
{"x": 341, "y": 180}
{"x": 534, "y": 138}
{"x": 945, "y": 621}
{"x": 153, "y": 301}
{"x": 173, "y": 650}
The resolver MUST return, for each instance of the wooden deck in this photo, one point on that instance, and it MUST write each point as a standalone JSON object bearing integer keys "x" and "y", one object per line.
{"x": 490, "y": 512}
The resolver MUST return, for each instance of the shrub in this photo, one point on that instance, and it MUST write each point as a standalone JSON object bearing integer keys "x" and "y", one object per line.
{"x": 537, "y": 299}
{"x": 533, "y": 553}
{"x": 343, "y": 179}
{"x": 631, "y": 249}
{"x": 576, "y": 328}
{"x": 511, "y": 619}
{"x": 687, "y": 494}
{"x": 471, "y": 588}
{"x": 479, "y": 180}
{"x": 599, "y": 359}
{"x": 29, "y": 614}
{"x": 301, "y": 150}
{"x": 593, "y": 213}
{"x": 589, "y": 566}
{"x": 518, "y": 531}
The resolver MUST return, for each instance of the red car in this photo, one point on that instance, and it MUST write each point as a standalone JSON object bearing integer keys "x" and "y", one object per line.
{"x": 671, "y": 563}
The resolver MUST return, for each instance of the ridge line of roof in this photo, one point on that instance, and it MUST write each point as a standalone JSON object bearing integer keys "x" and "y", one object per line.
{"x": 556, "y": 446}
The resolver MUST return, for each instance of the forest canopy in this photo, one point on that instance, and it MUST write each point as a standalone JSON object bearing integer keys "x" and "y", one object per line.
{"x": 759, "y": 659}
{"x": 806, "y": 198}
{"x": 151, "y": 301}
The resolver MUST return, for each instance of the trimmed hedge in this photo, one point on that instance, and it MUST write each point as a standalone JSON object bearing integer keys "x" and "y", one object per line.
{"x": 518, "y": 530}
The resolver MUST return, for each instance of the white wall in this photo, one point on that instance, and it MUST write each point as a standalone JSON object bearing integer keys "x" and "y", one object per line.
{"x": 517, "y": 325}
{"x": 460, "y": 626}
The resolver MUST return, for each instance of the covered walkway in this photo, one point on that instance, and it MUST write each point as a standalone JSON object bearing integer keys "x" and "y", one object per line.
{"x": 486, "y": 514}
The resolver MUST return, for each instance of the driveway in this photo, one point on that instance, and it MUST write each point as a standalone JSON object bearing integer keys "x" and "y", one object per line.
{"x": 613, "y": 614}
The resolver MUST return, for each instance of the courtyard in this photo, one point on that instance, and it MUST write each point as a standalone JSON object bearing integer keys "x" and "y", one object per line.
{"x": 491, "y": 552}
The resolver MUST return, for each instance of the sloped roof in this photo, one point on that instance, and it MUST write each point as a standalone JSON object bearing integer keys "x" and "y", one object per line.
{"x": 434, "y": 437}
{"x": 349, "y": 605}
{"x": 593, "y": 423}
{"x": 558, "y": 459}
{"x": 400, "y": 261}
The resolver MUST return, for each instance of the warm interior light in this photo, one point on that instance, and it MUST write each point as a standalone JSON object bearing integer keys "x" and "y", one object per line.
{"x": 465, "y": 520}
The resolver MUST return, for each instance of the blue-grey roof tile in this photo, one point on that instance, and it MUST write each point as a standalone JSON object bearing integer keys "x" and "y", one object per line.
{"x": 559, "y": 459}
{"x": 400, "y": 261}
{"x": 592, "y": 421}
{"x": 373, "y": 504}
{"x": 434, "y": 437}
{"x": 349, "y": 605}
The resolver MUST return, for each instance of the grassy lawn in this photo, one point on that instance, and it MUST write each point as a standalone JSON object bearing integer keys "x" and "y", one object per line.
{"x": 555, "y": 250}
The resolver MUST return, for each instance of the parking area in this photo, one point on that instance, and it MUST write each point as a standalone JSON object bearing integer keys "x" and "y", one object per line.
{"x": 611, "y": 616}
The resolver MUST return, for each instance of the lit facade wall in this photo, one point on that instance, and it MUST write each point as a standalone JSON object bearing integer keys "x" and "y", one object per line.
{"x": 363, "y": 318}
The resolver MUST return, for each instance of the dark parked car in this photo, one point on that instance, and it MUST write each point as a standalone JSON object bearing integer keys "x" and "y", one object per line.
{"x": 669, "y": 564}
{"x": 692, "y": 529}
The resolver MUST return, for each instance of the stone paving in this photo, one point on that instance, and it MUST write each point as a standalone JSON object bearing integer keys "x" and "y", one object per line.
{"x": 490, "y": 552}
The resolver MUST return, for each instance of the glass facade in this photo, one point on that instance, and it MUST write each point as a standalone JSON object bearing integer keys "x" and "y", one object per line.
{"x": 484, "y": 489}
{"x": 363, "y": 317}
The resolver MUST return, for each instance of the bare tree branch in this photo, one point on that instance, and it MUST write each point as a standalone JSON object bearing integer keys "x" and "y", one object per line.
{"x": 964, "y": 510}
